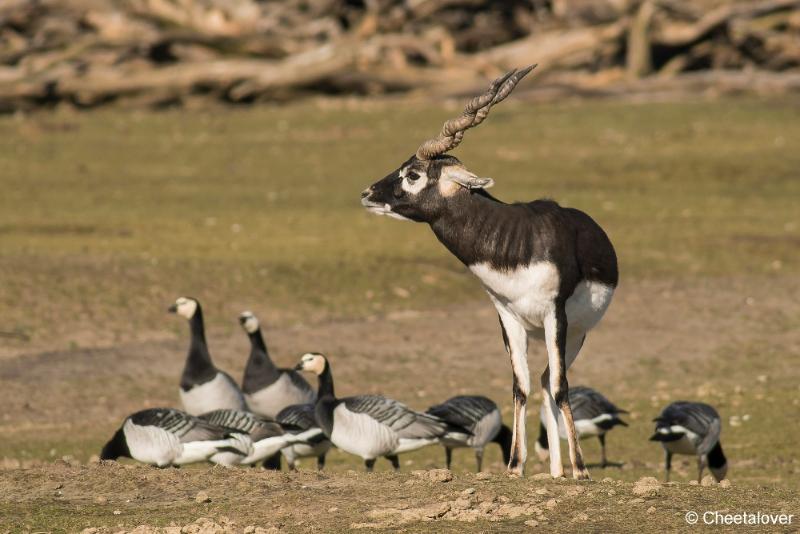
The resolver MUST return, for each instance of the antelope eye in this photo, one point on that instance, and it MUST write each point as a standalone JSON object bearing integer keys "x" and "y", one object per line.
{"x": 412, "y": 176}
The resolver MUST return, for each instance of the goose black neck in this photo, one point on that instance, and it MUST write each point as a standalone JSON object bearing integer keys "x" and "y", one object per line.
{"x": 326, "y": 384}
{"x": 199, "y": 368}
{"x": 260, "y": 370}
{"x": 116, "y": 447}
{"x": 257, "y": 343}
{"x": 503, "y": 438}
{"x": 716, "y": 458}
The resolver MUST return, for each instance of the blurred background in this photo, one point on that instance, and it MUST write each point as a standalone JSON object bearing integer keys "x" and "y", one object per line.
{"x": 155, "y": 53}
{"x": 156, "y": 148}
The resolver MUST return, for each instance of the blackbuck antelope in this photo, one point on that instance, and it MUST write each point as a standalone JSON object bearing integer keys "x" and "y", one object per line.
{"x": 550, "y": 271}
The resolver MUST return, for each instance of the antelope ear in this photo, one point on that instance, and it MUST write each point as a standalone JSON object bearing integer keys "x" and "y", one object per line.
{"x": 464, "y": 178}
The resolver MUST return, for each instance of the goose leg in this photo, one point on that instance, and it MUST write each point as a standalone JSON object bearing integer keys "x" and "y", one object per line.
{"x": 603, "y": 458}
{"x": 369, "y": 464}
{"x": 479, "y": 458}
{"x": 320, "y": 462}
{"x": 700, "y": 466}
{"x": 668, "y": 465}
{"x": 448, "y": 457}
{"x": 395, "y": 461}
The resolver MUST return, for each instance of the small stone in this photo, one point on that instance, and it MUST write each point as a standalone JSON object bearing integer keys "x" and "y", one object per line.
{"x": 651, "y": 510}
{"x": 202, "y": 497}
{"x": 551, "y": 503}
{"x": 503, "y": 499}
{"x": 532, "y": 523}
{"x": 434, "y": 475}
{"x": 541, "y": 491}
{"x": 646, "y": 487}
{"x": 483, "y": 475}
{"x": 117, "y": 512}
{"x": 542, "y": 476}
{"x": 611, "y": 493}
{"x": 607, "y": 480}
{"x": 468, "y": 491}
{"x": 708, "y": 480}
{"x": 249, "y": 529}
{"x": 637, "y": 500}
{"x": 100, "y": 499}
{"x": 694, "y": 483}
{"x": 581, "y": 517}
{"x": 725, "y": 484}
{"x": 333, "y": 509}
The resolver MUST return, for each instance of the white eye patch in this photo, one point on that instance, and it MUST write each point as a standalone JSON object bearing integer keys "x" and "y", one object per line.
{"x": 413, "y": 181}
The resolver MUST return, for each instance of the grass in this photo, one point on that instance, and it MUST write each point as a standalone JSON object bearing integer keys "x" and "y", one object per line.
{"x": 113, "y": 214}
{"x": 106, "y": 217}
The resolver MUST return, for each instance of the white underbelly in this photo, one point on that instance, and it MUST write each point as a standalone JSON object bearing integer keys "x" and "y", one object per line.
{"x": 303, "y": 450}
{"x": 529, "y": 293}
{"x": 485, "y": 430}
{"x": 216, "y": 394}
{"x": 270, "y": 400}
{"x": 360, "y": 434}
{"x": 680, "y": 446}
{"x": 152, "y": 445}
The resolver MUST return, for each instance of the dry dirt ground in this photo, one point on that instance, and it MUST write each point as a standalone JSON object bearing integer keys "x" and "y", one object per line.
{"x": 730, "y": 342}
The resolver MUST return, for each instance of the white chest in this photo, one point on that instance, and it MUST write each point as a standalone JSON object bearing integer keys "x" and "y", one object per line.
{"x": 528, "y": 292}
{"x": 277, "y": 396}
{"x": 217, "y": 394}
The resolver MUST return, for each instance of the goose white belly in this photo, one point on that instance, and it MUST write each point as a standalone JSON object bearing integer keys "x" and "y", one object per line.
{"x": 584, "y": 428}
{"x": 277, "y": 396}
{"x": 360, "y": 434}
{"x": 529, "y": 294}
{"x": 303, "y": 450}
{"x": 217, "y": 394}
{"x": 152, "y": 445}
{"x": 686, "y": 445}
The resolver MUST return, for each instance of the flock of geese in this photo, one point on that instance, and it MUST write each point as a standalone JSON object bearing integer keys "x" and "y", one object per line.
{"x": 276, "y": 413}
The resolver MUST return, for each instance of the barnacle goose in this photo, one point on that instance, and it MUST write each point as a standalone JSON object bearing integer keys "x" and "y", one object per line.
{"x": 692, "y": 428}
{"x": 481, "y": 417}
{"x": 300, "y": 418}
{"x": 164, "y": 437}
{"x": 594, "y": 415}
{"x": 203, "y": 387}
{"x": 268, "y": 389}
{"x": 268, "y": 437}
{"x": 371, "y": 425}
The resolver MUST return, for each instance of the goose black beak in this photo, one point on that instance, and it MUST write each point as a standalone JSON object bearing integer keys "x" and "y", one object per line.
{"x": 173, "y": 309}
{"x": 298, "y": 367}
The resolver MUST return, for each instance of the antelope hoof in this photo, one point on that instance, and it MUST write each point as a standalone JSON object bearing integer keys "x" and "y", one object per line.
{"x": 515, "y": 471}
{"x": 582, "y": 474}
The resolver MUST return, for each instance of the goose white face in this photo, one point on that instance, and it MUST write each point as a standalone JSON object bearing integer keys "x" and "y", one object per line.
{"x": 312, "y": 362}
{"x": 185, "y": 306}
{"x": 249, "y": 322}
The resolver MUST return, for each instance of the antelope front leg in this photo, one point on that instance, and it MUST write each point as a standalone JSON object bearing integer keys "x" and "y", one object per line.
{"x": 515, "y": 338}
{"x": 555, "y": 329}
